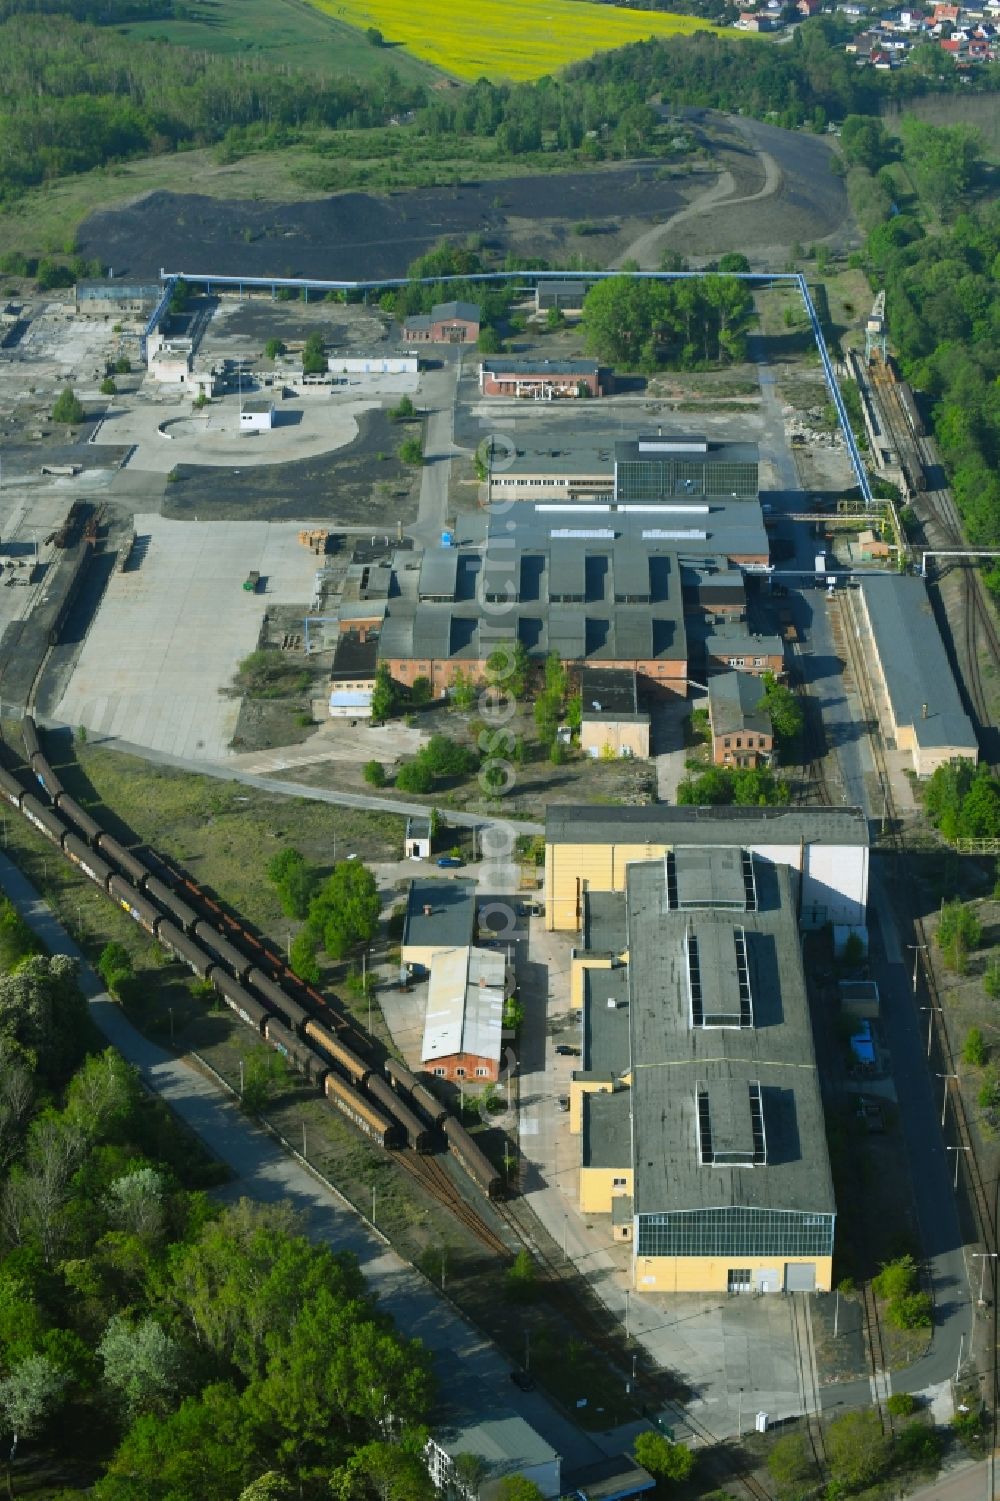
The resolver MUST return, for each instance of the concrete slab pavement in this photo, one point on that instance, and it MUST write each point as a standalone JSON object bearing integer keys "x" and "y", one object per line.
{"x": 172, "y": 631}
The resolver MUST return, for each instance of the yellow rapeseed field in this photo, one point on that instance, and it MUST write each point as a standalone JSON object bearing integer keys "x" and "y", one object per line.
{"x": 515, "y": 39}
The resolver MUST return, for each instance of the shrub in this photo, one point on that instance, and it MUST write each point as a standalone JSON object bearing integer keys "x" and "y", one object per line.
{"x": 108, "y": 387}
{"x": 914, "y": 1311}
{"x": 896, "y": 1278}
{"x": 974, "y": 1048}
{"x": 67, "y": 408}
{"x": 918, "y": 1447}
{"x": 857, "y": 1451}
{"x": 411, "y": 451}
{"x": 521, "y": 1277}
{"x": 958, "y": 932}
{"x": 660, "y": 1457}
{"x": 415, "y": 776}
{"x": 123, "y": 365}
{"x": 901, "y": 1404}
{"x": 374, "y": 773}
{"x": 273, "y": 348}
{"x": 403, "y": 411}
{"x": 788, "y": 1462}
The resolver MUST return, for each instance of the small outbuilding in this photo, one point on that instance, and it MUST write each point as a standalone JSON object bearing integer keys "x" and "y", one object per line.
{"x": 446, "y": 323}
{"x": 417, "y": 842}
{"x": 612, "y": 724}
{"x": 256, "y": 414}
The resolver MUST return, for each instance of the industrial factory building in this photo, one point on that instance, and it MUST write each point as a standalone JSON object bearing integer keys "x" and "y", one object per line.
{"x": 918, "y": 695}
{"x": 697, "y": 1103}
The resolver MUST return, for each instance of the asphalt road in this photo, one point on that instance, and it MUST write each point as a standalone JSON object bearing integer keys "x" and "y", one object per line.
{"x": 931, "y": 1167}
{"x": 473, "y": 1375}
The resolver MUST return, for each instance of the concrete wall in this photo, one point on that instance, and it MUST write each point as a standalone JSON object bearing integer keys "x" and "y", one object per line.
{"x": 622, "y": 737}
{"x": 599, "y": 1185}
{"x": 707, "y": 1274}
{"x": 834, "y": 877}
{"x": 464, "y": 1068}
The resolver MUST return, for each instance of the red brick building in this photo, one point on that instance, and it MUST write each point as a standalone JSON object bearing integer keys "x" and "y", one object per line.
{"x": 446, "y": 323}
{"x": 463, "y": 1023}
{"x": 544, "y": 380}
{"x": 741, "y": 729}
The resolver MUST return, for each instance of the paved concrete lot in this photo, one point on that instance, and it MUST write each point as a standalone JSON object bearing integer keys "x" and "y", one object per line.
{"x": 171, "y": 631}
{"x": 167, "y": 432}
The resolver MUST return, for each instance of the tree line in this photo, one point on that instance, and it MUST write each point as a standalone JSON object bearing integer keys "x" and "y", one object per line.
{"x": 942, "y": 292}
{"x": 74, "y": 96}
{"x": 133, "y": 1358}
{"x": 810, "y": 81}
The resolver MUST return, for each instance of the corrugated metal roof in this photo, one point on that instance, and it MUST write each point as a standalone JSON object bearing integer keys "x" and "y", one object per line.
{"x": 464, "y": 1004}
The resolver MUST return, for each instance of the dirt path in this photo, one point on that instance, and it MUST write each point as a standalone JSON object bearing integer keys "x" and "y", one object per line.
{"x": 647, "y": 249}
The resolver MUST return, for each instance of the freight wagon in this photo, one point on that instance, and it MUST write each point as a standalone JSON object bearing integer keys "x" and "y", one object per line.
{"x": 222, "y": 949}
{"x": 356, "y": 1070}
{"x": 183, "y": 949}
{"x": 279, "y": 1000}
{"x": 295, "y": 1050}
{"x": 472, "y": 1159}
{"x": 360, "y": 1113}
{"x": 240, "y": 1000}
{"x": 407, "y": 1084}
{"x": 418, "y": 1133}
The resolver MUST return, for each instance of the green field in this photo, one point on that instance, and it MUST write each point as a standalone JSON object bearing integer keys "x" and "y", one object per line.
{"x": 287, "y": 31}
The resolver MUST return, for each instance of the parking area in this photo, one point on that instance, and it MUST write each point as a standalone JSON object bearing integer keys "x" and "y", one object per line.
{"x": 170, "y": 632}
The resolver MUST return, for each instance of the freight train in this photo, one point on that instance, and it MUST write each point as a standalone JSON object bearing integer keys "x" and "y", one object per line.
{"x": 405, "y": 1114}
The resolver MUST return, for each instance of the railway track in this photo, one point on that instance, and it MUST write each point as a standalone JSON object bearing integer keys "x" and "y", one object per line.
{"x": 434, "y": 1178}
{"x": 878, "y": 1366}
{"x": 977, "y": 1186}
{"x": 918, "y": 462}
{"x": 805, "y": 1353}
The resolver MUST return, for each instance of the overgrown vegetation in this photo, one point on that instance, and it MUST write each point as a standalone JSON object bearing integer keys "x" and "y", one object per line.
{"x": 733, "y": 784}
{"x": 645, "y": 325}
{"x": 963, "y": 801}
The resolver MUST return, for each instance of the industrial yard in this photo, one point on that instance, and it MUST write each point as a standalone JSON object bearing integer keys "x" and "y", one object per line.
{"x": 688, "y": 529}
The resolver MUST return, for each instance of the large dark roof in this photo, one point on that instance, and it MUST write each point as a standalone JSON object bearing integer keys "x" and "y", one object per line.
{"x": 450, "y": 921}
{"x": 917, "y": 672}
{"x": 570, "y": 823}
{"x": 672, "y": 1060}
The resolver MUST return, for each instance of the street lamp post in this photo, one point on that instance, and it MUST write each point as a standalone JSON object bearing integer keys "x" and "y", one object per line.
{"x": 984, "y": 1257}
{"x": 930, "y": 1024}
{"x": 739, "y": 1417}
{"x": 241, "y": 1078}
{"x": 944, "y": 1101}
{"x": 956, "y": 1151}
{"x": 918, "y": 949}
{"x": 627, "y": 1314}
